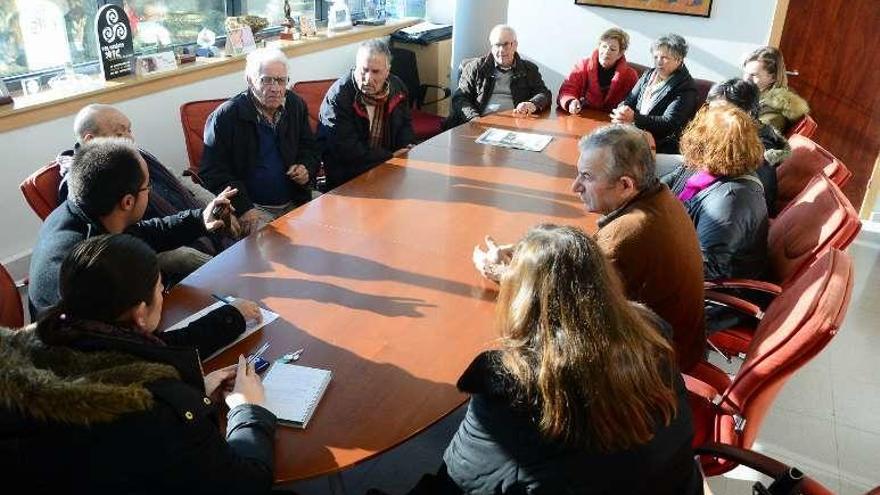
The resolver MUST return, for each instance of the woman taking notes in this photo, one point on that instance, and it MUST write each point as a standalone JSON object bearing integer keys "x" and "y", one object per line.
{"x": 93, "y": 401}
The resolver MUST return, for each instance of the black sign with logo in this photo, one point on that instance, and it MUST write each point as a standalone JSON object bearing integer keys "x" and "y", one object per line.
{"x": 115, "y": 46}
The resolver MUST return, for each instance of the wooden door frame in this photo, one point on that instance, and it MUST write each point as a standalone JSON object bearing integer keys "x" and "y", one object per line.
{"x": 873, "y": 190}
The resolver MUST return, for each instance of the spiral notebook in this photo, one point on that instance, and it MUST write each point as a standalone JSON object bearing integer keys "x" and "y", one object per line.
{"x": 293, "y": 392}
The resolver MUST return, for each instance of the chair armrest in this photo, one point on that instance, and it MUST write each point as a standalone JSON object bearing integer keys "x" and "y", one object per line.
{"x": 446, "y": 93}
{"x": 758, "y": 462}
{"x": 699, "y": 388}
{"x": 744, "y": 283}
{"x": 733, "y": 302}
{"x": 193, "y": 176}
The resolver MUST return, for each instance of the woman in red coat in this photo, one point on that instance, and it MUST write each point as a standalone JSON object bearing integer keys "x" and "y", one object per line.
{"x": 601, "y": 81}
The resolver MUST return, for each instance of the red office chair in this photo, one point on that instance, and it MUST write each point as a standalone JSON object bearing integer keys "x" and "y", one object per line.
{"x": 313, "y": 92}
{"x": 807, "y": 159}
{"x": 819, "y": 219}
{"x": 797, "y": 326}
{"x": 403, "y": 65}
{"x": 703, "y": 87}
{"x": 805, "y": 126}
{"x": 193, "y": 116}
{"x": 11, "y": 313}
{"x": 40, "y": 189}
{"x": 640, "y": 69}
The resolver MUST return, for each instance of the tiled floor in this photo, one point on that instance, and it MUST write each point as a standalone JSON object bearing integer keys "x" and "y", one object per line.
{"x": 826, "y": 420}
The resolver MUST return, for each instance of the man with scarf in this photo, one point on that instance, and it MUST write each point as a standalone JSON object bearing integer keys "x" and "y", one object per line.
{"x": 260, "y": 143}
{"x": 365, "y": 117}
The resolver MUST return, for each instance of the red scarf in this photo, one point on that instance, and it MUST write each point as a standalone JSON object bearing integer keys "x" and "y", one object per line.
{"x": 377, "y": 126}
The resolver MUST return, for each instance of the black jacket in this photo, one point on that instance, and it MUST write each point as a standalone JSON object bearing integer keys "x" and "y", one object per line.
{"x": 232, "y": 147}
{"x": 167, "y": 196}
{"x": 68, "y": 225}
{"x": 731, "y": 221}
{"x": 109, "y": 415}
{"x": 498, "y": 448}
{"x": 673, "y": 107}
{"x": 477, "y": 81}
{"x": 344, "y": 129}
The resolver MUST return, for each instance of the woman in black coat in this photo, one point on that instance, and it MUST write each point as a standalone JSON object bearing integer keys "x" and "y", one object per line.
{"x": 94, "y": 401}
{"x": 583, "y": 396}
{"x": 665, "y": 97}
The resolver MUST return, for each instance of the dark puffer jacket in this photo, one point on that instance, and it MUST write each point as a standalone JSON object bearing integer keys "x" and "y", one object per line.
{"x": 672, "y": 107}
{"x": 731, "y": 221}
{"x": 110, "y": 415}
{"x": 344, "y": 130}
{"x": 498, "y": 449}
{"x": 477, "y": 82}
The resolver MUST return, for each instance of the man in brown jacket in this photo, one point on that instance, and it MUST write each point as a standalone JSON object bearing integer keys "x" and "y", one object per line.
{"x": 645, "y": 232}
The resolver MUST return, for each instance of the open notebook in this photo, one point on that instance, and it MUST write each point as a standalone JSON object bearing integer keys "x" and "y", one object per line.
{"x": 251, "y": 325}
{"x": 293, "y": 392}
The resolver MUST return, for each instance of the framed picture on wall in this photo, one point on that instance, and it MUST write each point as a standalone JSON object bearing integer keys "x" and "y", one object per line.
{"x": 700, "y": 8}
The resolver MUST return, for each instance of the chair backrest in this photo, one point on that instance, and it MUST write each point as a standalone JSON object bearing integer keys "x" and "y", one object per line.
{"x": 404, "y": 66}
{"x": 819, "y": 218}
{"x": 640, "y": 69}
{"x": 805, "y": 126}
{"x": 40, "y": 189}
{"x": 313, "y": 93}
{"x": 703, "y": 87}
{"x": 11, "y": 312}
{"x": 806, "y": 160}
{"x": 193, "y": 116}
{"x": 797, "y": 325}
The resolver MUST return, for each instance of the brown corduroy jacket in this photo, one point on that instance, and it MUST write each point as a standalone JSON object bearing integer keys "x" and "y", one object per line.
{"x": 652, "y": 243}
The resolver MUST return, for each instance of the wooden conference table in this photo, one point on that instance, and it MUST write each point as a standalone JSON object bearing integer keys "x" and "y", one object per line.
{"x": 375, "y": 281}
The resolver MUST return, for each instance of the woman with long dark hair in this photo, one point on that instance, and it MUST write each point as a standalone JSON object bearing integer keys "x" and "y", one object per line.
{"x": 583, "y": 395}
{"x": 92, "y": 400}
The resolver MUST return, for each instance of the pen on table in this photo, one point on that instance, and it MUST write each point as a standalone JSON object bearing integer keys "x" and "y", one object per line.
{"x": 223, "y": 299}
{"x": 253, "y": 357}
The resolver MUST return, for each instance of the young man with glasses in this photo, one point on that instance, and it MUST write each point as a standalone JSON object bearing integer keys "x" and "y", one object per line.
{"x": 260, "y": 143}
{"x": 109, "y": 186}
{"x": 499, "y": 81}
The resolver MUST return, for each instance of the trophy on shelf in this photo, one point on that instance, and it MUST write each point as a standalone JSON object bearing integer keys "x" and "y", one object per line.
{"x": 290, "y": 27}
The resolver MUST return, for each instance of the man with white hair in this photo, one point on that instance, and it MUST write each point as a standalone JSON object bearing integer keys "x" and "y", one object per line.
{"x": 365, "y": 117}
{"x": 500, "y": 80}
{"x": 260, "y": 143}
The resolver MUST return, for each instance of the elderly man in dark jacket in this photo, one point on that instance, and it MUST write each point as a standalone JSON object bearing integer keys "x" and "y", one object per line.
{"x": 365, "y": 117}
{"x": 500, "y": 80}
{"x": 260, "y": 143}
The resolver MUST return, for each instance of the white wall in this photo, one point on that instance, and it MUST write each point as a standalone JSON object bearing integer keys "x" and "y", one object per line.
{"x": 156, "y": 122}
{"x": 557, "y": 33}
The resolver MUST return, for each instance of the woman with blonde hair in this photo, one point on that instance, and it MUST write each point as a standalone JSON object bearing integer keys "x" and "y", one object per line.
{"x": 601, "y": 81}
{"x": 583, "y": 396}
{"x": 779, "y": 105}
{"x": 721, "y": 192}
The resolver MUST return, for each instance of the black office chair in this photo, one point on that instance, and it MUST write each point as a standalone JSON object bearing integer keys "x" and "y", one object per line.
{"x": 403, "y": 65}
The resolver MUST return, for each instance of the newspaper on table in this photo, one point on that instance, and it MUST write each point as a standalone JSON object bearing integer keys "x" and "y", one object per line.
{"x": 512, "y": 139}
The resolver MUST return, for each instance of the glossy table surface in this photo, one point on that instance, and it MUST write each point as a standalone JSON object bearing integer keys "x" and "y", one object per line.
{"x": 375, "y": 281}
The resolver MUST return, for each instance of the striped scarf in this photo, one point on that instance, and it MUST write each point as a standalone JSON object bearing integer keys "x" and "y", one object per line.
{"x": 378, "y": 134}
